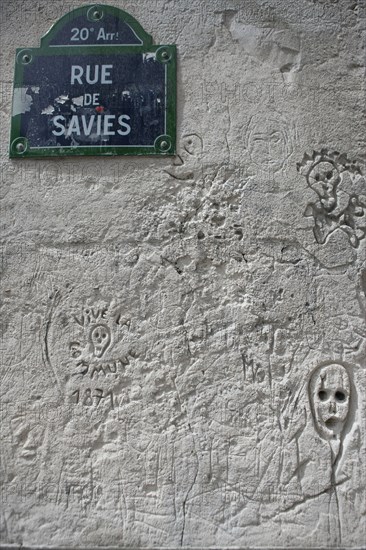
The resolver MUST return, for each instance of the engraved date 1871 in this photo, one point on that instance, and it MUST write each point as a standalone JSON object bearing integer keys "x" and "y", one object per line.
{"x": 92, "y": 398}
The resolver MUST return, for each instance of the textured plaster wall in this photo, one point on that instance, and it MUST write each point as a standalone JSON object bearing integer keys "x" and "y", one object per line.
{"x": 225, "y": 403}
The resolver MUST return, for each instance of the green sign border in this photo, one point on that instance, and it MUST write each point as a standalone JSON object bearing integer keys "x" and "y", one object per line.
{"x": 164, "y": 145}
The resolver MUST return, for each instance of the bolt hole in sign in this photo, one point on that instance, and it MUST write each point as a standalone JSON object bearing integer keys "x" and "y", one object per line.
{"x": 96, "y": 86}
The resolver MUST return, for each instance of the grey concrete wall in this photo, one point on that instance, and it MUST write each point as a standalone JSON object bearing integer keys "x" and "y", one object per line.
{"x": 226, "y": 407}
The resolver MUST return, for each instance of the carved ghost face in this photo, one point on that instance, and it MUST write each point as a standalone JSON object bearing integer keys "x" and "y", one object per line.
{"x": 268, "y": 143}
{"x": 268, "y": 146}
{"x": 323, "y": 178}
{"x": 100, "y": 338}
{"x": 330, "y": 394}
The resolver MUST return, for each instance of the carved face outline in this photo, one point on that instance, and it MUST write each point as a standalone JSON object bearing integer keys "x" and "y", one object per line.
{"x": 268, "y": 142}
{"x": 323, "y": 178}
{"x": 330, "y": 393}
{"x": 193, "y": 144}
{"x": 100, "y": 337}
{"x": 27, "y": 434}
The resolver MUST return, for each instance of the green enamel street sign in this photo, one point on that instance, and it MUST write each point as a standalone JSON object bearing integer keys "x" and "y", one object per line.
{"x": 96, "y": 86}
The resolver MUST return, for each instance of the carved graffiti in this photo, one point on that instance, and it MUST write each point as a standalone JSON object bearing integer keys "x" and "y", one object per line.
{"x": 340, "y": 196}
{"x": 269, "y": 141}
{"x": 87, "y": 398}
{"x": 100, "y": 337}
{"x": 330, "y": 395}
{"x": 187, "y": 162}
{"x": 93, "y": 351}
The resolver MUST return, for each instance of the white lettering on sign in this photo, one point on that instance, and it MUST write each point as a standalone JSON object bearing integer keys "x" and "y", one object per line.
{"x": 100, "y": 125}
{"x": 127, "y": 127}
{"x": 74, "y": 126}
{"x": 91, "y": 99}
{"x": 95, "y": 124}
{"x": 100, "y": 74}
{"x": 108, "y": 125}
{"x": 61, "y": 128}
{"x": 102, "y": 35}
{"x": 84, "y": 34}
{"x": 80, "y": 34}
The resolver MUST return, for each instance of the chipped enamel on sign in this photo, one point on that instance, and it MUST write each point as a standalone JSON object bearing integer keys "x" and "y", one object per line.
{"x": 96, "y": 86}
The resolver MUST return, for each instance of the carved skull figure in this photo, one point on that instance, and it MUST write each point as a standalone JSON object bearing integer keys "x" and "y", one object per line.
{"x": 323, "y": 178}
{"x": 100, "y": 338}
{"x": 330, "y": 392}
